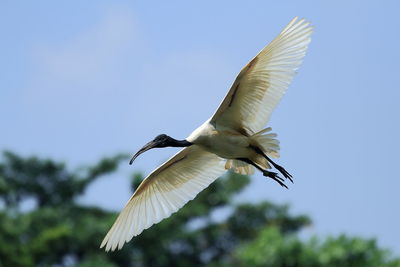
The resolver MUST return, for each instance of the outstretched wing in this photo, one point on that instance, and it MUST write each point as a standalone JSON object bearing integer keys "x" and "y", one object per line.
{"x": 163, "y": 192}
{"x": 262, "y": 82}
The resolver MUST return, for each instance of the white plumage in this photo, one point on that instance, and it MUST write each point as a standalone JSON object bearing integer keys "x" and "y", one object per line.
{"x": 233, "y": 138}
{"x": 264, "y": 80}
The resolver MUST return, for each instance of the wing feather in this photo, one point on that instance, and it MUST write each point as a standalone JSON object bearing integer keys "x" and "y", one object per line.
{"x": 163, "y": 192}
{"x": 262, "y": 82}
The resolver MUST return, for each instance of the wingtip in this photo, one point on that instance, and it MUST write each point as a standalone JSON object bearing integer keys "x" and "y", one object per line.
{"x": 106, "y": 245}
{"x": 103, "y": 243}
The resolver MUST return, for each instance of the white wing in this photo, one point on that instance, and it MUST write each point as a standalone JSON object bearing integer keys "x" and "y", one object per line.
{"x": 262, "y": 82}
{"x": 163, "y": 192}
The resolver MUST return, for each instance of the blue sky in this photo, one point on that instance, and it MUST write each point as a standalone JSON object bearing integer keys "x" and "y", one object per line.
{"x": 87, "y": 79}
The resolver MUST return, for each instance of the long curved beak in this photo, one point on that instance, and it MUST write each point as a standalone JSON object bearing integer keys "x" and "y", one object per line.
{"x": 146, "y": 147}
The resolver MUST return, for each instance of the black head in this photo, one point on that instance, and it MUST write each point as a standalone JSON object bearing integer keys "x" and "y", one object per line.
{"x": 161, "y": 140}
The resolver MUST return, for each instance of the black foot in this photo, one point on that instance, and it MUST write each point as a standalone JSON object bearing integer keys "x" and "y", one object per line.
{"x": 284, "y": 172}
{"x": 275, "y": 177}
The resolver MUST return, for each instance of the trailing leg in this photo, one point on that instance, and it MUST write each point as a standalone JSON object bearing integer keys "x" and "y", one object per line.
{"x": 272, "y": 175}
{"x": 280, "y": 169}
{"x": 276, "y": 166}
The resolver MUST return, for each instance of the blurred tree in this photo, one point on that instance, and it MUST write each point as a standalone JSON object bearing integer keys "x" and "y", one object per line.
{"x": 271, "y": 248}
{"x": 46, "y": 182}
{"x": 58, "y": 229}
{"x": 61, "y": 231}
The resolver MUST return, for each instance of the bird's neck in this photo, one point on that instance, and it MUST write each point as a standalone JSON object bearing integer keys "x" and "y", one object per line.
{"x": 179, "y": 143}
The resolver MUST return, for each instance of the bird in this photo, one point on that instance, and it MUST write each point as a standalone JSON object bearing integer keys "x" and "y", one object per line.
{"x": 234, "y": 138}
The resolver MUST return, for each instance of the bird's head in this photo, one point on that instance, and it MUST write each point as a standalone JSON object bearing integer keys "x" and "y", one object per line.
{"x": 159, "y": 141}
{"x": 162, "y": 140}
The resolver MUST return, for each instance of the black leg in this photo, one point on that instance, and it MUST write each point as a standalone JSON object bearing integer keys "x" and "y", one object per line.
{"x": 273, "y": 175}
{"x": 276, "y": 166}
{"x": 280, "y": 169}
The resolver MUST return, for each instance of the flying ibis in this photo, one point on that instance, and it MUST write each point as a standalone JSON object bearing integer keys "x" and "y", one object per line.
{"x": 234, "y": 138}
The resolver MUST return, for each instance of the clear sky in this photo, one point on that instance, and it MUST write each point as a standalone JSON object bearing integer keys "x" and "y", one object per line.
{"x": 85, "y": 79}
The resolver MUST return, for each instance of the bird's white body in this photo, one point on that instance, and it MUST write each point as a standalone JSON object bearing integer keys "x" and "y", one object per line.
{"x": 224, "y": 143}
{"x": 233, "y": 138}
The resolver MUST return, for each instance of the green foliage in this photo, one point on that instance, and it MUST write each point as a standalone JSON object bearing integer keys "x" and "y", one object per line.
{"x": 271, "y": 248}
{"x": 47, "y": 182}
{"x": 61, "y": 231}
{"x": 58, "y": 227}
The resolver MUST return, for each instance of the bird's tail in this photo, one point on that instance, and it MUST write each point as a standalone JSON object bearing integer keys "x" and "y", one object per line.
{"x": 267, "y": 142}
{"x": 264, "y": 140}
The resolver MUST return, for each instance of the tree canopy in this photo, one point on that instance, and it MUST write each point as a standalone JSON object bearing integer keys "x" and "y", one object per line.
{"x": 61, "y": 231}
